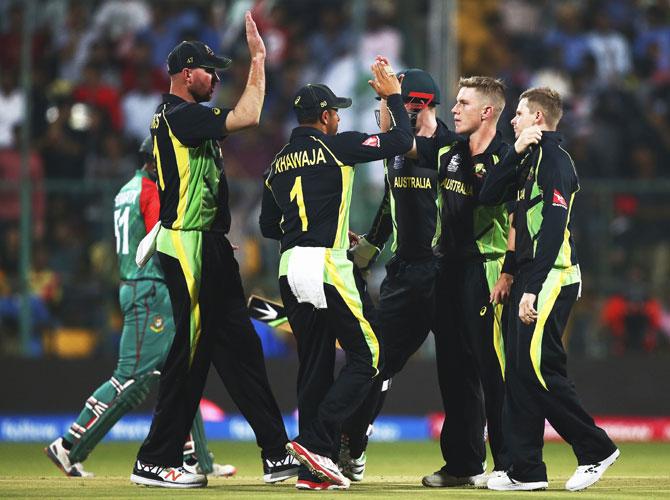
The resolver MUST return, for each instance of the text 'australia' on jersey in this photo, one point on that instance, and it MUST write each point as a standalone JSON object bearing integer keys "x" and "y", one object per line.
{"x": 410, "y": 206}
{"x": 192, "y": 185}
{"x": 136, "y": 209}
{"x": 308, "y": 186}
{"x": 470, "y": 229}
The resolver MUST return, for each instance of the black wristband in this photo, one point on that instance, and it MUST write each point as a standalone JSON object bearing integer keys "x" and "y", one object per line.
{"x": 509, "y": 264}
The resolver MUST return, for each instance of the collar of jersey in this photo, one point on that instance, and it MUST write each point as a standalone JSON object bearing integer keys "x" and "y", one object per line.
{"x": 495, "y": 146}
{"x": 551, "y": 136}
{"x": 303, "y": 131}
{"x": 172, "y": 98}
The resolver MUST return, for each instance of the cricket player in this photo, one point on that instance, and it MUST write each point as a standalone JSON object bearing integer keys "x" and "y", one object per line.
{"x": 542, "y": 176}
{"x": 306, "y": 206}
{"x": 410, "y": 212}
{"x": 472, "y": 285}
{"x": 148, "y": 330}
{"x": 201, "y": 273}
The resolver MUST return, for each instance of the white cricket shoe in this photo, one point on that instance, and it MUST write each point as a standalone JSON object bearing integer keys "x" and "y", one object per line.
{"x": 61, "y": 458}
{"x": 218, "y": 470}
{"x": 353, "y": 468}
{"x": 481, "y": 481}
{"x": 505, "y": 483}
{"x": 586, "y": 475}
{"x": 166, "y": 477}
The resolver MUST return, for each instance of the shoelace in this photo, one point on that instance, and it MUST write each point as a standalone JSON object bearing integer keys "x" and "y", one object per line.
{"x": 154, "y": 469}
{"x": 277, "y": 463}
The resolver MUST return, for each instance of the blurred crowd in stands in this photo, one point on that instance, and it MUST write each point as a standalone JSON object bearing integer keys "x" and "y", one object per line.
{"x": 98, "y": 71}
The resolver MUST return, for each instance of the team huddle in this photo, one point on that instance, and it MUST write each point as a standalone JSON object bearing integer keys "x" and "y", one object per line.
{"x": 482, "y": 256}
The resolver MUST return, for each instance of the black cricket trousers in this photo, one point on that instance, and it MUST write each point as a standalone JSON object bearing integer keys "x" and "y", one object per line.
{"x": 469, "y": 346}
{"x": 212, "y": 326}
{"x": 538, "y": 387}
{"x": 405, "y": 316}
{"x": 325, "y": 402}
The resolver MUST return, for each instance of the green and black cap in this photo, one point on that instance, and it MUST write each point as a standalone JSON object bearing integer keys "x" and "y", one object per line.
{"x": 194, "y": 54}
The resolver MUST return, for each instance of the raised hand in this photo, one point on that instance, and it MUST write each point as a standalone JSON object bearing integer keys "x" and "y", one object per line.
{"x": 385, "y": 82}
{"x": 254, "y": 40}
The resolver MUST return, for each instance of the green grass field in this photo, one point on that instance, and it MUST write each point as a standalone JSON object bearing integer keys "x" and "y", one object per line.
{"x": 394, "y": 470}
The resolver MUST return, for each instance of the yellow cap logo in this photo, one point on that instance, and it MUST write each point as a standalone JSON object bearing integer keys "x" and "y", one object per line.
{"x": 323, "y": 104}
{"x": 189, "y": 60}
{"x": 297, "y": 100}
{"x": 216, "y": 111}
{"x": 482, "y": 311}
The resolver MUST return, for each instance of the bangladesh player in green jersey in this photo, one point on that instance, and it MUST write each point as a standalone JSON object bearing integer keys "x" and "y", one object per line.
{"x": 148, "y": 330}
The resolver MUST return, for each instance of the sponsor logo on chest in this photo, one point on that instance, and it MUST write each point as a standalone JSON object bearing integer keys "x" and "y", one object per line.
{"x": 454, "y": 163}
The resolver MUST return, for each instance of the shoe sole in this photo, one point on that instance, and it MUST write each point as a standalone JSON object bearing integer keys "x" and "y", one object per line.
{"x": 536, "y": 486}
{"x": 428, "y": 484}
{"x": 282, "y": 476}
{"x": 312, "y": 486}
{"x": 607, "y": 462}
{"x": 303, "y": 456}
{"x": 145, "y": 481}
{"x": 52, "y": 456}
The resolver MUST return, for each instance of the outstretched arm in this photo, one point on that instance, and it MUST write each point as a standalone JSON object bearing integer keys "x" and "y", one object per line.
{"x": 247, "y": 112}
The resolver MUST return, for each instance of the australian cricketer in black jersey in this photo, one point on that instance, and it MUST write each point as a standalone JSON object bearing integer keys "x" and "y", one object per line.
{"x": 468, "y": 328}
{"x": 306, "y": 206}
{"x": 201, "y": 273}
{"x": 544, "y": 180}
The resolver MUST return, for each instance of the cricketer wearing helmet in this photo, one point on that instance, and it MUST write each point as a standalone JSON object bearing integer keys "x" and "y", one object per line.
{"x": 409, "y": 212}
{"x": 148, "y": 330}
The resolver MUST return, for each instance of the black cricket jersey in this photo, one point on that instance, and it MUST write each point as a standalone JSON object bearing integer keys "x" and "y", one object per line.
{"x": 545, "y": 182}
{"x": 410, "y": 208}
{"x": 191, "y": 182}
{"x": 308, "y": 185}
{"x": 469, "y": 229}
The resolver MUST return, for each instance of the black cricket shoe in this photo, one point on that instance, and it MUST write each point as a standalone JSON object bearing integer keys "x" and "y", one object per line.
{"x": 280, "y": 468}
{"x": 166, "y": 477}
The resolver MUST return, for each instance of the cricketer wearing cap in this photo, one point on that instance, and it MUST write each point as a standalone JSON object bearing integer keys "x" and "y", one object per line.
{"x": 541, "y": 175}
{"x": 306, "y": 206}
{"x": 202, "y": 275}
{"x": 148, "y": 330}
{"x": 409, "y": 211}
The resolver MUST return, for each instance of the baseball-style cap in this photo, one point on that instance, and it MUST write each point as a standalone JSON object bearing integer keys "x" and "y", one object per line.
{"x": 194, "y": 54}
{"x": 317, "y": 97}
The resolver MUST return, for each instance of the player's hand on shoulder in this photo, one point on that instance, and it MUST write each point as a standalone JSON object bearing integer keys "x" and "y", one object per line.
{"x": 254, "y": 40}
{"x": 528, "y": 136}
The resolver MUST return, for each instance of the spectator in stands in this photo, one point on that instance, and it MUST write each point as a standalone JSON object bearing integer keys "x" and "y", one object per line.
{"x": 139, "y": 106}
{"x": 10, "y": 172}
{"x": 11, "y": 104}
{"x": 633, "y": 317}
{"x": 94, "y": 91}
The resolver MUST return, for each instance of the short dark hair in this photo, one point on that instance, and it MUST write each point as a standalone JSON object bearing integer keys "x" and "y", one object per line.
{"x": 546, "y": 100}
{"x": 309, "y": 117}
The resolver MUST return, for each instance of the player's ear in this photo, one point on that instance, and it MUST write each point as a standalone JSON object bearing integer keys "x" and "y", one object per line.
{"x": 325, "y": 116}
